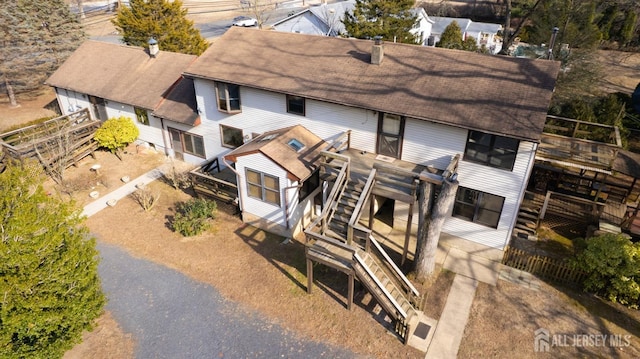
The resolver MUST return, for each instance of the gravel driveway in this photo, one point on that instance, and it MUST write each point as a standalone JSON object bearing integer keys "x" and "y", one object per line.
{"x": 173, "y": 316}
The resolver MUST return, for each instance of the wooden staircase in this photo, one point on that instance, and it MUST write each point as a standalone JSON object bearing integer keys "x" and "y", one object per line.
{"x": 528, "y": 217}
{"x": 337, "y": 240}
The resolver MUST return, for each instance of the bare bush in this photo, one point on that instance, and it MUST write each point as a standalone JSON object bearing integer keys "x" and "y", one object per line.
{"x": 177, "y": 178}
{"x": 145, "y": 198}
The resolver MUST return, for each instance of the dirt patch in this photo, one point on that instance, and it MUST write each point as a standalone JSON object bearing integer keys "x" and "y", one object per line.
{"x": 254, "y": 268}
{"x": 107, "y": 335}
{"x": 504, "y": 318}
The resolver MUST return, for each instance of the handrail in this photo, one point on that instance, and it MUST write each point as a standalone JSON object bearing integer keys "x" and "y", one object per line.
{"x": 338, "y": 144}
{"x": 395, "y": 268}
{"x": 336, "y": 191}
{"x": 364, "y": 196}
{"x": 395, "y": 304}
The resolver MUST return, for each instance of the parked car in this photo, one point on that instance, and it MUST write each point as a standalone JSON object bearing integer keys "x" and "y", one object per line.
{"x": 245, "y": 21}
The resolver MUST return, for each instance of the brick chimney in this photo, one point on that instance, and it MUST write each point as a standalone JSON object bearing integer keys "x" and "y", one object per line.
{"x": 377, "y": 52}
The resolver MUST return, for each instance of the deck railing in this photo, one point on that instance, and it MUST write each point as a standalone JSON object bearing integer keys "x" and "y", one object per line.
{"x": 205, "y": 184}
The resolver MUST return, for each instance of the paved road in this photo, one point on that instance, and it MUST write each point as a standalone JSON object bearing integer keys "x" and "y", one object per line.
{"x": 173, "y": 316}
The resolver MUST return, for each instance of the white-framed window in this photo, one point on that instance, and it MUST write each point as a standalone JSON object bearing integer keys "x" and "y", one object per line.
{"x": 228, "y": 96}
{"x": 142, "y": 115}
{"x": 263, "y": 186}
{"x": 478, "y": 207}
{"x": 231, "y": 137}
{"x": 186, "y": 142}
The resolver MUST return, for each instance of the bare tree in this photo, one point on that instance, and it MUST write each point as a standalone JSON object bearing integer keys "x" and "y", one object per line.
{"x": 432, "y": 216}
{"x": 259, "y": 9}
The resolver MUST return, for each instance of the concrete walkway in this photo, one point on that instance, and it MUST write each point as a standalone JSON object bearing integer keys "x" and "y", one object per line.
{"x": 450, "y": 327}
{"x": 123, "y": 191}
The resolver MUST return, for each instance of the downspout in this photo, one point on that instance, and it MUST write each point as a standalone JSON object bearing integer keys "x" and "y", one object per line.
{"x": 224, "y": 160}
{"x": 164, "y": 137}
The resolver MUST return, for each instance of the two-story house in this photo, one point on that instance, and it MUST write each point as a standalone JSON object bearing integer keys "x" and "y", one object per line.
{"x": 326, "y": 20}
{"x": 419, "y": 105}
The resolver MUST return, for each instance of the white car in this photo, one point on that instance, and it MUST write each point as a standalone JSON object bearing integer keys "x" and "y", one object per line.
{"x": 245, "y": 21}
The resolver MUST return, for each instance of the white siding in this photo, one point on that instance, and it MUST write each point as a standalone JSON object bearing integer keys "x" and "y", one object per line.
{"x": 254, "y": 206}
{"x": 432, "y": 144}
{"x": 424, "y": 143}
{"x": 71, "y": 101}
{"x": 504, "y": 183}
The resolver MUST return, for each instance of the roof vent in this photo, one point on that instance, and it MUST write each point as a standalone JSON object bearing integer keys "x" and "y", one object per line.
{"x": 153, "y": 47}
{"x": 377, "y": 52}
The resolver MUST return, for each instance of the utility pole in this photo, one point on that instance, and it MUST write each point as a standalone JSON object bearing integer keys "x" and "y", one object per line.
{"x": 552, "y": 41}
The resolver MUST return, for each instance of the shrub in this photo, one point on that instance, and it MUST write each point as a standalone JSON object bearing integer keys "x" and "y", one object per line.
{"x": 116, "y": 133}
{"x": 193, "y": 217}
{"x": 612, "y": 264}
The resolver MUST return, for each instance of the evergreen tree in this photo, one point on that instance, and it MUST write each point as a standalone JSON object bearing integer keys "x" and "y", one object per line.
{"x": 451, "y": 38}
{"x": 162, "y": 20}
{"x": 35, "y": 38}
{"x": 391, "y": 19}
{"x": 48, "y": 264}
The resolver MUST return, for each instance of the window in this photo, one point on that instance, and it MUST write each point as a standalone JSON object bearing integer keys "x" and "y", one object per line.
{"x": 478, "y": 207}
{"x": 491, "y": 150}
{"x": 228, "y": 97}
{"x": 142, "y": 115}
{"x": 295, "y": 145}
{"x": 231, "y": 137}
{"x": 295, "y": 105}
{"x": 263, "y": 187}
{"x": 187, "y": 142}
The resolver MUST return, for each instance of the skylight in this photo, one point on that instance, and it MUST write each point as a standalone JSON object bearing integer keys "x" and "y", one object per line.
{"x": 295, "y": 144}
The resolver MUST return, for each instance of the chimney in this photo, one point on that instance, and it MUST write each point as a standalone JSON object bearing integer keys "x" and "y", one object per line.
{"x": 153, "y": 47}
{"x": 377, "y": 52}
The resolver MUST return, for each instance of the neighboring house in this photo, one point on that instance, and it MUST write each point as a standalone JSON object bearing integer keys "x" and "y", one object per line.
{"x": 421, "y": 105}
{"x": 117, "y": 80}
{"x": 326, "y": 20}
{"x": 484, "y": 33}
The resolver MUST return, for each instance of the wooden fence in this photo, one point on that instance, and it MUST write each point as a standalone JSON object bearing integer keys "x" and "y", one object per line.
{"x": 543, "y": 267}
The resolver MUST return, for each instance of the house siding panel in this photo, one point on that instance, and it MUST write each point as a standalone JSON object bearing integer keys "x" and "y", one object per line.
{"x": 424, "y": 143}
{"x": 432, "y": 144}
{"x": 508, "y": 184}
{"x": 254, "y": 206}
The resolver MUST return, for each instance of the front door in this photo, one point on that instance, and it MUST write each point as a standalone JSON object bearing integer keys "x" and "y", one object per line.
{"x": 99, "y": 107}
{"x": 176, "y": 143}
{"x": 390, "y": 132}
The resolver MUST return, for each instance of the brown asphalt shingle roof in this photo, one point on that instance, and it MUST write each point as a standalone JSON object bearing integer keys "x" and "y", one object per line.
{"x": 179, "y": 105}
{"x": 495, "y": 94}
{"x": 274, "y": 145}
{"x": 120, "y": 73}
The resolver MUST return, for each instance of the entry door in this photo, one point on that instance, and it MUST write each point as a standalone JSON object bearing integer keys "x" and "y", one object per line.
{"x": 176, "y": 142}
{"x": 99, "y": 107}
{"x": 390, "y": 132}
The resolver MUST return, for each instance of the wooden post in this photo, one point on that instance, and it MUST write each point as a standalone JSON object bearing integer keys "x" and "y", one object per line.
{"x": 426, "y": 264}
{"x": 309, "y": 275}
{"x": 407, "y": 235}
{"x": 350, "y": 295}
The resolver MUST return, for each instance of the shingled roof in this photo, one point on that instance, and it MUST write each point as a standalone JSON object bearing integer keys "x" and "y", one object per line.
{"x": 121, "y": 73}
{"x": 496, "y": 94}
{"x": 299, "y": 162}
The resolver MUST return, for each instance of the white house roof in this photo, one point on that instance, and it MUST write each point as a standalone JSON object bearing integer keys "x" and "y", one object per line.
{"x": 324, "y": 19}
{"x": 466, "y": 25}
